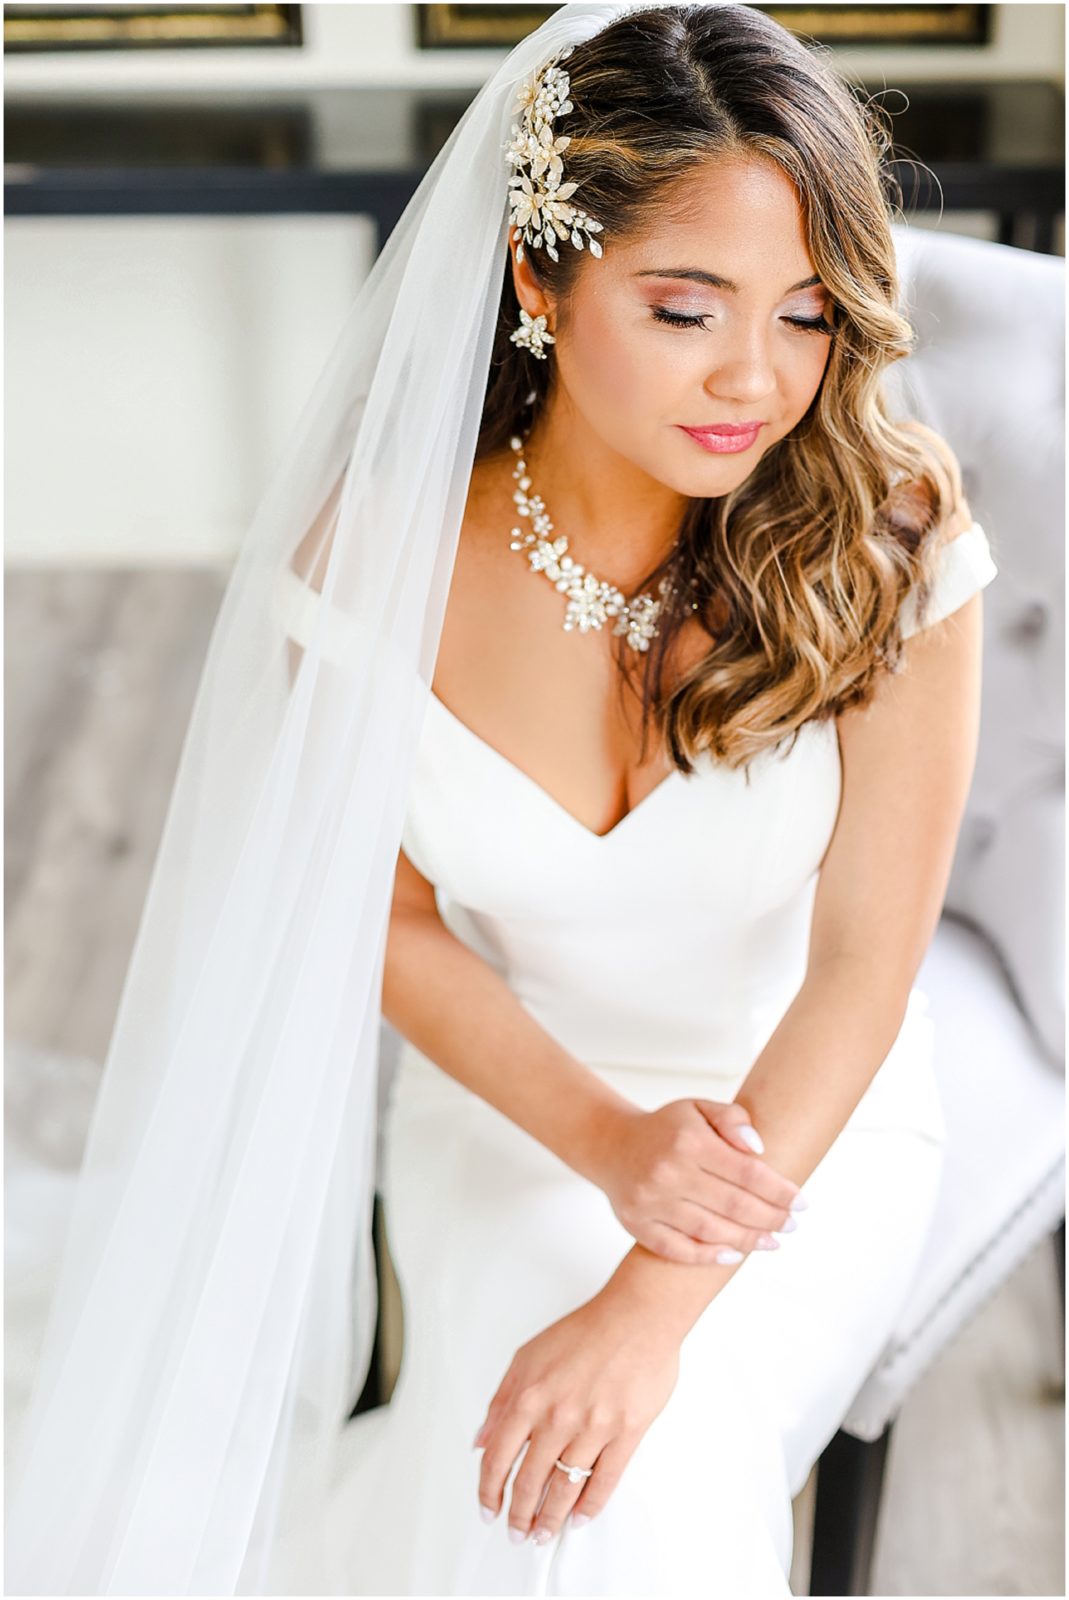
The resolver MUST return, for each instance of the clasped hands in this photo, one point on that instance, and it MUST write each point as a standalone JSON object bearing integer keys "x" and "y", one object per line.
{"x": 687, "y": 1181}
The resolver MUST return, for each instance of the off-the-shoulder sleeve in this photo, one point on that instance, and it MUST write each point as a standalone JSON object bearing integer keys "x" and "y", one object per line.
{"x": 297, "y": 607}
{"x": 966, "y": 565}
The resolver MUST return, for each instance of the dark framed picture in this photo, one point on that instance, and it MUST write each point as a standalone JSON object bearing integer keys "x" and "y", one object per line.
{"x": 890, "y": 25}
{"x": 444, "y": 27}
{"x": 467, "y": 27}
{"x": 148, "y": 27}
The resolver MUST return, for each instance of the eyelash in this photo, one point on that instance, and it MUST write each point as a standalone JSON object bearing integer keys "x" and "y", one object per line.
{"x": 676, "y": 319}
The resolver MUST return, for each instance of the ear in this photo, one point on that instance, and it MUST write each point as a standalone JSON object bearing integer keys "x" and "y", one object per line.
{"x": 529, "y": 292}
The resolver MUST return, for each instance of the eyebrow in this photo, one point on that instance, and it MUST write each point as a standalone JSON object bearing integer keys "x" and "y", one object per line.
{"x": 713, "y": 279}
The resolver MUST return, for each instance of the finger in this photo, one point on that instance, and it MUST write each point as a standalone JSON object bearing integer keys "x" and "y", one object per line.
{"x": 608, "y": 1470}
{"x": 720, "y": 1203}
{"x": 561, "y": 1493}
{"x": 711, "y": 1231}
{"x": 533, "y": 1479}
{"x": 673, "y": 1244}
{"x": 733, "y": 1122}
{"x": 504, "y": 1443}
{"x": 676, "y": 1245}
{"x": 753, "y": 1172}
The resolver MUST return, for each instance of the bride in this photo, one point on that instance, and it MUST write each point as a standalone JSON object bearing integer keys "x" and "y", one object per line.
{"x": 596, "y": 761}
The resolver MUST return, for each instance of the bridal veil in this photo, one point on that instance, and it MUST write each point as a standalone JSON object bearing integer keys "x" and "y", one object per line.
{"x": 213, "y": 1314}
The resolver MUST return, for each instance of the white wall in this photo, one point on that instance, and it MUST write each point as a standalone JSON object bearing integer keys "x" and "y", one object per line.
{"x": 155, "y": 366}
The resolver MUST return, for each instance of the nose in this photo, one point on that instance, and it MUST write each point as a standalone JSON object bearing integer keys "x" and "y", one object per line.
{"x": 744, "y": 373}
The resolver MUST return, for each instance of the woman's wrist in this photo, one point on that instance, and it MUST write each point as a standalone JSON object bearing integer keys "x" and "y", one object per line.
{"x": 592, "y": 1134}
{"x": 670, "y": 1295}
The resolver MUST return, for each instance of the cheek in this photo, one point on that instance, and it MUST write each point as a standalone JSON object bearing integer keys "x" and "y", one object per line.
{"x": 611, "y": 362}
{"x": 816, "y": 363}
{"x": 801, "y": 377}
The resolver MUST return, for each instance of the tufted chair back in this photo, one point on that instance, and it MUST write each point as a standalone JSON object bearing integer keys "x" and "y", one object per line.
{"x": 987, "y": 373}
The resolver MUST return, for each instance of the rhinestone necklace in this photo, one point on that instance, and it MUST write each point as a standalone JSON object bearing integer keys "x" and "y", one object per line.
{"x": 591, "y": 601}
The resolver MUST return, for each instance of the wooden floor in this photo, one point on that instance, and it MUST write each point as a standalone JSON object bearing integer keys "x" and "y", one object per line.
{"x": 101, "y": 671}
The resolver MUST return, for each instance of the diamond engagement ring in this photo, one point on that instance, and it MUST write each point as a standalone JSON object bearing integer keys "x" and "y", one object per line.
{"x": 574, "y": 1473}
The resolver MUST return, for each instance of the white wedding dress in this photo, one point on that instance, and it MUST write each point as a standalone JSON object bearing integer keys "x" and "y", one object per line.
{"x": 662, "y": 954}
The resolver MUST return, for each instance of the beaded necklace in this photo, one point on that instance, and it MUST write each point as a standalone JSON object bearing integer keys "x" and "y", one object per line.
{"x": 592, "y": 601}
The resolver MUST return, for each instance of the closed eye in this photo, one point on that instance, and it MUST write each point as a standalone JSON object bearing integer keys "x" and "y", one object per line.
{"x": 677, "y": 319}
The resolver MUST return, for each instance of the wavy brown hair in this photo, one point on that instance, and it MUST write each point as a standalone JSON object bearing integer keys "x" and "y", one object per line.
{"x": 799, "y": 572}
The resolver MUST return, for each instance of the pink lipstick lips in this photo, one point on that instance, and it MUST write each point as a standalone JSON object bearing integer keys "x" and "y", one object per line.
{"x": 726, "y": 438}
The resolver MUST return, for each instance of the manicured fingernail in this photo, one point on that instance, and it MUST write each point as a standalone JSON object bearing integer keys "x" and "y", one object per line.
{"x": 542, "y": 1535}
{"x": 487, "y": 1513}
{"x": 578, "y": 1518}
{"x": 728, "y": 1253}
{"x": 517, "y": 1535}
{"x": 799, "y": 1202}
{"x": 765, "y": 1241}
{"x": 749, "y": 1135}
{"x": 788, "y": 1226}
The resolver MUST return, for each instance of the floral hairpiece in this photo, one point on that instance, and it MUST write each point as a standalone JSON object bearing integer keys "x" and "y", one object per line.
{"x": 540, "y": 212}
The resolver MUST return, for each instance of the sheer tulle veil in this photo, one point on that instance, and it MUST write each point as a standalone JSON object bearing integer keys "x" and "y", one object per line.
{"x": 212, "y": 1318}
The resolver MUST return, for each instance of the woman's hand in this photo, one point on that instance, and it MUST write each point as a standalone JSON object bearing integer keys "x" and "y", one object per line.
{"x": 586, "y": 1389}
{"x": 685, "y": 1182}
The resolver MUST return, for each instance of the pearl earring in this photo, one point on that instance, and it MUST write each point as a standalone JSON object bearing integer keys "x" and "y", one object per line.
{"x": 531, "y": 334}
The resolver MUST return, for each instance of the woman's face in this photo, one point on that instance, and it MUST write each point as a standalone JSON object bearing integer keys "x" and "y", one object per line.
{"x": 656, "y": 344}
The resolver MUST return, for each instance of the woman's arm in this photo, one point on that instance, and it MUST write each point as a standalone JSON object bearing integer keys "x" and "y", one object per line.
{"x": 591, "y": 1383}
{"x": 799, "y": 1092}
{"x": 451, "y": 1004}
{"x": 439, "y": 993}
{"x": 460, "y": 1012}
{"x": 908, "y": 759}
{"x": 456, "y": 1009}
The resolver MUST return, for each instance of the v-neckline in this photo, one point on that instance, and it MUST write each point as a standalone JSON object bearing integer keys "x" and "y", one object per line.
{"x": 544, "y": 794}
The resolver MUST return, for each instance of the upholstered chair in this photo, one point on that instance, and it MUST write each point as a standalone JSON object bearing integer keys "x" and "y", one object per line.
{"x": 987, "y": 374}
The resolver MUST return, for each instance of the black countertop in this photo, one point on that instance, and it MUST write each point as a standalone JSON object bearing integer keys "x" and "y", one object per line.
{"x": 992, "y": 145}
